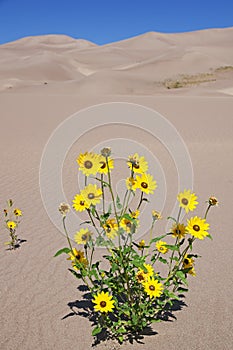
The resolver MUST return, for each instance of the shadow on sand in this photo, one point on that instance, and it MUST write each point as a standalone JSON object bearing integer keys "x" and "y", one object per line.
{"x": 84, "y": 308}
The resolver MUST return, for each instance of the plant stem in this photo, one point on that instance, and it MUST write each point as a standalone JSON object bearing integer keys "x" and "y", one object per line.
{"x": 141, "y": 200}
{"x": 178, "y": 217}
{"x": 207, "y": 210}
{"x": 93, "y": 222}
{"x": 102, "y": 187}
{"x": 111, "y": 191}
{"x": 68, "y": 238}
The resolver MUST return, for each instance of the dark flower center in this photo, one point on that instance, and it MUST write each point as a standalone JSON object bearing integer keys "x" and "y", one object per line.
{"x": 184, "y": 201}
{"x": 91, "y": 195}
{"x": 136, "y": 166}
{"x": 88, "y": 164}
{"x": 178, "y": 232}
{"x": 103, "y": 303}
{"x": 78, "y": 257}
{"x": 140, "y": 277}
{"x": 82, "y": 203}
{"x": 84, "y": 237}
{"x": 128, "y": 224}
{"x": 196, "y": 228}
{"x": 186, "y": 261}
{"x": 103, "y": 166}
{"x": 108, "y": 229}
{"x": 144, "y": 185}
{"x": 152, "y": 287}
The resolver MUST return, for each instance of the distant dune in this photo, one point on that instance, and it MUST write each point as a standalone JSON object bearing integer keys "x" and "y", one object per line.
{"x": 188, "y": 79}
{"x": 145, "y": 64}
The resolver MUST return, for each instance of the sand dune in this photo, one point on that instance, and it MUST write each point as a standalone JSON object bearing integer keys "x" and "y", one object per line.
{"x": 188, "y": 78}
{"x": 150, "y": 59}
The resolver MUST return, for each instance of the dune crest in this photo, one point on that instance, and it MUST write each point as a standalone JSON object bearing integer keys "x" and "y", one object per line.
{"x": 142, "y": 63}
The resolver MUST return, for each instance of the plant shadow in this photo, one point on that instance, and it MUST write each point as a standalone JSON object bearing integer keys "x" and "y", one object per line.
{"x": 17, "y": 245}
{"x": 84, "y": 308}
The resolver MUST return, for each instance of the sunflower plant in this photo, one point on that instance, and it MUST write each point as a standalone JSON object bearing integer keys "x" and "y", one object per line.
{"x": 12, "y": 218}
{"x": 127, "y": 289}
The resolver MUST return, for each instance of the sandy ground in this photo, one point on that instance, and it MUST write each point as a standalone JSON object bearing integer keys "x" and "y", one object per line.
{"x": 35, "y": 287}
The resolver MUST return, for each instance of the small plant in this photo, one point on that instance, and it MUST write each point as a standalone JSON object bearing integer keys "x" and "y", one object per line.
{"x": 12, "y": 221}
{"x": 128, "y": 290}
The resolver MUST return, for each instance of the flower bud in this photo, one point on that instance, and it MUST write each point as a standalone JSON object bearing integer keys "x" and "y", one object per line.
{"x": 213, "y": 201}
{"x": 64, "y": 208}
{"x": 156, "y": 215}
{"x": 106, "y": 152}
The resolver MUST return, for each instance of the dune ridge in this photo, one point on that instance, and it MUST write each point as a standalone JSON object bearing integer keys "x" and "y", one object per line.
{"x": 142, "y": 63}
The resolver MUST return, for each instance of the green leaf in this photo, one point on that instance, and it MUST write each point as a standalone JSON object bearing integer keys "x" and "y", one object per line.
{"x": 120, "y": 339}
{"x": 100, "y": 241}
{"x": 194, "y": 256}
{"x": 92, "y": 209}
{"x": 182, "y": 290}
{"x": 128, "y": 217}
{"x": 145, "y": 199}
{"x": 173, "y": 296}
{"x": 181, "y": 275}
{"x": 77, "y": 275}
{"x": 85, "y": 222}
{"x": 210, "y": 237}
{"x": 118, "y": 203}
{"x": 162, "y": 260}
{"x": 171, "y": 247}
{"x": 114, "y": 267}
{"x": 175, "y": 258}
{"x": 96, "y": 330}
{"x": 157, "y": 238}
{"x": 138, "y": 263}
{"x": 182, "y": 242}
{"x": 121, "y": 330}
{"x": 171, "y": 218}
{"x": 61, "y": 251}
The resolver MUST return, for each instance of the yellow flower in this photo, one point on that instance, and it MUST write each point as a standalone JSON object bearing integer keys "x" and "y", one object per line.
{"x": 135, "y": 214}
{"x": 187, "y": 200}
{"x": 129, "y": 226}
{"x": 146, "y": 183}
{"x": 156, "y": 215}
{"x": 188, "y": 263}
{"x": 131, "y": 184}
{"x": 111, "y": 228}
{"x": 198, "y": 227}
{"x": 160, "y": 245}
{"x": 178, "y": 230}
{"x": 153, "y": 288}
{"x": 17, "y": 212}
{"x": 103, "y": 169}
{"x": 138, "y": 163}
{"x": 104, "y": 302}
{"x": 11, "y": 224}
{"x": 91, "y": 194}
{"x": 83, "y": 236}
{"x": 80, "y": 204}
{"x": 88, "y": 163}
{"x": 149, "y": 270}
{"x": 213, "y": 201}
{"x": 142, "y": 276}
{"x": 141, "y": 244}
{"x": 192, "y": 272}
{"x": 77, "y": 256}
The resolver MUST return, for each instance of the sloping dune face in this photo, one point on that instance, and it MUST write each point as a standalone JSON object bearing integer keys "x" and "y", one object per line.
{"x": 139, "y": 65}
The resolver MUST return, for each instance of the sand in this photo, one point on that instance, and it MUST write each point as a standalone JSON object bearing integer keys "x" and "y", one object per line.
{"x": 44, "y": 80}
